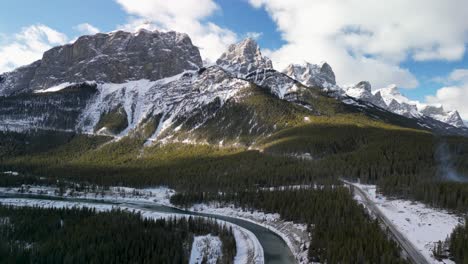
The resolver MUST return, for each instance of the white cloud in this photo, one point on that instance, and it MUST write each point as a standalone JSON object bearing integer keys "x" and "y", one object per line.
{"x": 254, "y": 35}
{"x": 364, "y": 38}
{"x": 28, "y": 46}
{"x": 87, "y": 29}
{"x": 187, "y": 16}
{"x": 459, "y": 75}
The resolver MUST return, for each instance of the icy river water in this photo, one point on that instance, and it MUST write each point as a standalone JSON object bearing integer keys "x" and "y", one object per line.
{"x": 274, "y": 247}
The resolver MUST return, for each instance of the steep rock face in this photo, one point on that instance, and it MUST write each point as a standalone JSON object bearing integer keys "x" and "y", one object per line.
{"x": 363, "y": 91}
{"x": 108, "y": 58}
{"x": 243, "y": 58}
{"x": 18, "y": 80}
{"x": 57, "y": 111}
{"x": 312, "y": 75}
{"x": 245, "y": 61}
{"x": 403, "y": 109}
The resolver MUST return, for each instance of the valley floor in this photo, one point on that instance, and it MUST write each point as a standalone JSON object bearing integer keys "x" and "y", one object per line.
{"x": 421, "y": 225}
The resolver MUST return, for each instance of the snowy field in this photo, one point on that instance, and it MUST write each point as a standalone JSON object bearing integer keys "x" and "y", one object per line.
{"x": 160, "y": 195}
{"x": 423, "y": 226}
{"x": 206, "y": 248}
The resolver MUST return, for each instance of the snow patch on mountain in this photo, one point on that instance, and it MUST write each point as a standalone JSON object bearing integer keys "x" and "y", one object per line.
{"x": 173, "y": 97}
{"x": 278, "y": 83}
{"x": 60, "y": 87}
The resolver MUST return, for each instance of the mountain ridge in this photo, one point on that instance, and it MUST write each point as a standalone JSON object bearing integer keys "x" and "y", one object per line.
{"x": 117, "y": 106}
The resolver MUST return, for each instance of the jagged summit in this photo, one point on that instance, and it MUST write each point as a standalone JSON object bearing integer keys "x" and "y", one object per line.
{"x": 391, "y": 99}
{"x": 363, "y": 91}
{"x": 312, "y": 75}
{"x": 114, "y": 57}
{"x": 243, "y": 58}
{"x": 392, "y": 92}
{"x": 438, "y": 113}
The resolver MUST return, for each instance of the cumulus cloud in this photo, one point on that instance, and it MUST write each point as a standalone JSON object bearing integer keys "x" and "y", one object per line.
{"x": 364, "y": 38}
{"x": 187, "y": 16}
{"x": 28, "y": 46}
{"x": 87, "y": 29}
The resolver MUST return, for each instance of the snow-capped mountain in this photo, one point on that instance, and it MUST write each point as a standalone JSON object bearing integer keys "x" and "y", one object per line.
{"x": 243, "y": 58}
{"x": 391, "y": 99}
{"x": 153, "y": 84}
{"x": 312, "y": 75}
{"x": 114, "y": 57}
{"x": 438, "y": 113}
{"x": 363, "y": 91}
{"x": 151, "y": 95}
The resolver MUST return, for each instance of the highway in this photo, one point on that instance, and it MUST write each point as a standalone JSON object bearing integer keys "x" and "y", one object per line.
{"x": 410, "y": 251}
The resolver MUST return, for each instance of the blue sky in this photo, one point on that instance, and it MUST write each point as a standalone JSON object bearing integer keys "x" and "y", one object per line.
{"x": 287, "y": 32}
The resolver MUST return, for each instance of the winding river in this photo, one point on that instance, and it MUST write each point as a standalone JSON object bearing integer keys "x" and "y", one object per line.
{"x": 275, "y": 249}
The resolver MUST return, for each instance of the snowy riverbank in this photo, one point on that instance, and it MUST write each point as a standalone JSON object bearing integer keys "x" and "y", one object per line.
{"x": 295, "y": 235}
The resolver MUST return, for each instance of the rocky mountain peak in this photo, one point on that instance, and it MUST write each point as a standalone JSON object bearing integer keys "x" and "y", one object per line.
{"x": 313, "y": 75}
{"x": 391, "y": 99}
{"x": 432, "y": 110}
{"x": 437, "y": 112}
{"x": 114, "y": 57}
{"x": 327, "y": 71}
{"x": 243, "y": 58}
{"x": 364, "y": 85}
{"x": 363, "y": 91}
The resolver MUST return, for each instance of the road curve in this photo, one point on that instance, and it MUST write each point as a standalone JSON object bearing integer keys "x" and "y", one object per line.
{"x": 410, "y": 251}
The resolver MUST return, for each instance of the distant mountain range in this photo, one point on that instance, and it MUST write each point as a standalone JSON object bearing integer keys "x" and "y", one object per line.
{"x": 154, "y": 84}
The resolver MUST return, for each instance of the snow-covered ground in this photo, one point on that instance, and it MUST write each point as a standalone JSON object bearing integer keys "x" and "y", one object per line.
{"x": 160, "y": 195}
{"x": 295, "y": 235}
{"x": 249, "y": 249}
{"x": 423, "y": 226}
{"x": 208, "y": 248}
